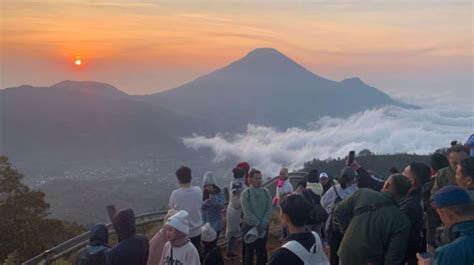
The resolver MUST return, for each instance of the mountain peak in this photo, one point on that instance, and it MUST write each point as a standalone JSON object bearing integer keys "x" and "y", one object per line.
{"x": 265, "y": 51}
{"x": 90, "y": 87}
{"x": 353, "y": 81}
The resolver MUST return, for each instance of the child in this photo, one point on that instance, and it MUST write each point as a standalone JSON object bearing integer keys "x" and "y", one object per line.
{"x": 234, "y": 211}
{"x": 212, "y": 254}
{"x": 179, "y": 249}
{"x": 157, "y": 243}
{"x": 213, "y": 200}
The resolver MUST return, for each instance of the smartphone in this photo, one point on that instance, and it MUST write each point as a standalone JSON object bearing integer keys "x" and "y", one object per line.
{"x": 351, "y": 157}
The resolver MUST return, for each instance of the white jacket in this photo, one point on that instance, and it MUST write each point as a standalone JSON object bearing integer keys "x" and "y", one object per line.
{"x": 185, "y": 255}
{"x": 286, "y": 188}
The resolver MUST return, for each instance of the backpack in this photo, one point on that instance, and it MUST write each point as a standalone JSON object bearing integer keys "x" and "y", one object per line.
{"x": 333, "y": 227}
{"x": 315, "y": 256}
{"x": 317, "y": 214}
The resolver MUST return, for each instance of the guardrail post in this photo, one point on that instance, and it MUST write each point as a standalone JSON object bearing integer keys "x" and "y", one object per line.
{"x": 111, "y": 212}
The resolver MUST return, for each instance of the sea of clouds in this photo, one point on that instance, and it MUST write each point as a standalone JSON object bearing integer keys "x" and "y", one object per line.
{"x": 385, "y": 130}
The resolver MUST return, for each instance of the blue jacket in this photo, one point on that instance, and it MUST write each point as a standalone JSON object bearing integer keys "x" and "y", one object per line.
{"x": 461, "y": 250}
{"x": 211, "y": 211}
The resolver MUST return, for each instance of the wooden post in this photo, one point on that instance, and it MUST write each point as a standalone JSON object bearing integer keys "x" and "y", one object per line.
{"x": 111, "y": 212}
{"x": 226, "y": 194}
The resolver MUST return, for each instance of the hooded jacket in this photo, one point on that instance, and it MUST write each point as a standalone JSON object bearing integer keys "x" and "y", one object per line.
{"x": 96, "y": 251}
{"x": 132, "y": 248}
{"x": 461, "y": 250}
{"x": 378, "y": 236}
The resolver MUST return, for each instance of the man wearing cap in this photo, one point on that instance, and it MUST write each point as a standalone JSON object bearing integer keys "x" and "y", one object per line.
{"x": 456, "y": 209}
{"x": 325, "y": 181}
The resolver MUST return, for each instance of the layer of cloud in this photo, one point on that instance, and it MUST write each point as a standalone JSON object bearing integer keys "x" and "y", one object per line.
{"x": 386, "y": 130}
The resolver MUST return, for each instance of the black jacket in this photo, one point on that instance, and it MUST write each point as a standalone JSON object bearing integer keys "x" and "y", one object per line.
{"x": 131, "y": 249}
{"x": 213, "y": 257}
{"x": 283, "y": 256}
{"x": 411, "y": 207}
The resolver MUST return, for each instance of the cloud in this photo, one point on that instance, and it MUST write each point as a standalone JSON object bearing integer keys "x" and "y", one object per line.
{"x": 385, "y": 130}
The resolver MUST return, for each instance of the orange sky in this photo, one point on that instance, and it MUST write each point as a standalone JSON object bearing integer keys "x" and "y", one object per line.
{"x": 143, "y": 46}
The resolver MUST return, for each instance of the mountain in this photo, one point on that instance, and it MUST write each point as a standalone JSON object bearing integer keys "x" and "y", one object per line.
{"x": 84, "y": 121}
{"x": 266, "y": 87}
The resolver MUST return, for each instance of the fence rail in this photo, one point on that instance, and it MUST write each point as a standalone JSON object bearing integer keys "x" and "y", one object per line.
{"x": 78, "y": 242}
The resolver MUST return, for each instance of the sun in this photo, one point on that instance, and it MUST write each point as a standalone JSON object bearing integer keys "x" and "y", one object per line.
{"x": 78, "y": 62}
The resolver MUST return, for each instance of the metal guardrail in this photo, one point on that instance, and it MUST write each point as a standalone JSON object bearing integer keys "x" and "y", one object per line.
{"x": 78, "y": 242}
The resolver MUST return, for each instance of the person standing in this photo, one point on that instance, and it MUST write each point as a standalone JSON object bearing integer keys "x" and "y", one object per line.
{"x": 178, "y": 249}
{"x": 257, "y": 207}
{"x": 284, "y": 187}
{"x": 213, "y": 203}
{"x": 188, "y": 198}
{"x": 465, "y": 175}
{"x": 375, "y": 229}
{"x": 96, "y": 251}
{"x": 447, "y": 176}
{"x": 411, "y": 205}
{"x": 234, "y": 211}
{"x": 303, "y": 247}
{"x": 456, "y": 209}
{"x": 132, "y": 248}
{"x": 329, "y": 201}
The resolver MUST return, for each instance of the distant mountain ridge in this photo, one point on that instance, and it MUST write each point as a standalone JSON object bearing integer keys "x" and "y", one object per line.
{"x": 268, "y": 88}
{"x": 75, "y": 121}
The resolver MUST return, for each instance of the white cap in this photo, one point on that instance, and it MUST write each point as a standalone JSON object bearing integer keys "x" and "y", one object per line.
{"x": 207, "y": 233}
{"x": 323, "y": 175}
{"x": 251, "y": 236}
{"x": 179, "y": 221}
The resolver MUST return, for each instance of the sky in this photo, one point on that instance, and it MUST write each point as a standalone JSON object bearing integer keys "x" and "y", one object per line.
{"x": 406, "y": 48}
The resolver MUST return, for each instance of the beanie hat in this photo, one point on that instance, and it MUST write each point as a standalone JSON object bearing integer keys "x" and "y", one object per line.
{"x": 208, "y": 179}
{"x": 323, "y": 175}
{"x": 450, "y": 196}
{"x": 238, "y": 172}
{"x": 245, "y": 166}
{"x": 348, "y": 171}
{"x": 179, "y": 221}
{"x": 313, "y": 176}
{"x": 208, "y": 234}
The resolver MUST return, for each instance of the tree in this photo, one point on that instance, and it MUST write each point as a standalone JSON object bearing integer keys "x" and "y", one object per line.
{"x": 366, "y": 152}
{"x": 24, "y": 226}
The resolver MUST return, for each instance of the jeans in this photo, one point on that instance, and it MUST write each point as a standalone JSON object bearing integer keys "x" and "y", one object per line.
{"x": 230, "y": 245}
{"x": 259, "y": 247}
{"x": 283, "y": 232}
{"x": 334, "y": 246}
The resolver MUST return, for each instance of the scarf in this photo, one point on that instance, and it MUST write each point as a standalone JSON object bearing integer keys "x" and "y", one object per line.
{"x": 181, "y": 239}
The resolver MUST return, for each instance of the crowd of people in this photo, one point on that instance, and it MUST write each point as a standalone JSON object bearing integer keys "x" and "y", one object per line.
{"x": 424, "y": 215}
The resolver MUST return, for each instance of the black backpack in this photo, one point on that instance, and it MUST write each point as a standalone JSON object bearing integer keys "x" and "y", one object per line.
{"x": 333, "y": 227}
{"x": 317, "y": 214}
